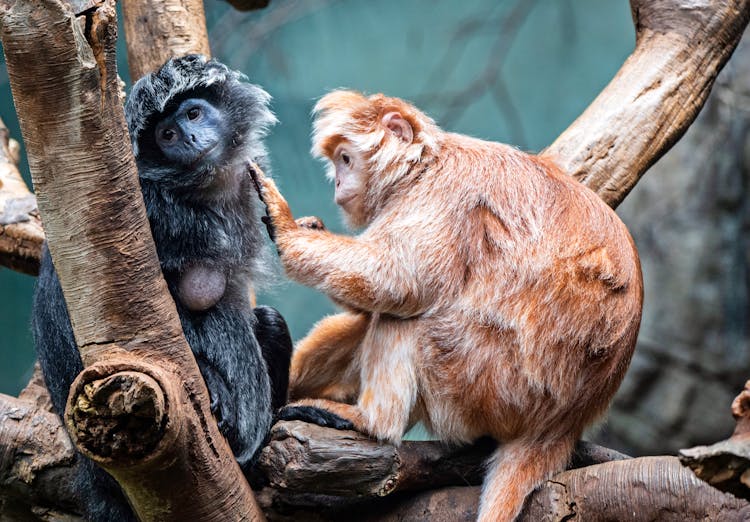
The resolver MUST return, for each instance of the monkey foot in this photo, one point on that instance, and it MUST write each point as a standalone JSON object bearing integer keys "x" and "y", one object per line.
{"x": 315, "y": 415}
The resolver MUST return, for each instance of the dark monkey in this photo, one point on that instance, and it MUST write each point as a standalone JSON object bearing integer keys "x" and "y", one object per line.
{"x": 195, "y": 125}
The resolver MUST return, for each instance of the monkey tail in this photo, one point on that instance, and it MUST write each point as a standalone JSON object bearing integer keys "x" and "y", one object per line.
{"x": 514, "y": 471}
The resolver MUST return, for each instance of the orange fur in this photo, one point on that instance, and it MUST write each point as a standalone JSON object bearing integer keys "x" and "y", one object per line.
{"x": 492, "y": 295}
{"x": 323, "y": 364}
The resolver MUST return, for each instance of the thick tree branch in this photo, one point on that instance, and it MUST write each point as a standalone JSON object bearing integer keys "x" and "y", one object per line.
{"x": 647, "y": 488}
{"x": 726, "y": 464}
{"x": 302, "y": 457}
{"x": 36, "y": 461}
{"x": 64, "y": 80}
{"x": 157, "y": 30}
{"x": 21, "y": 234}
{"x": 681, "y": 45}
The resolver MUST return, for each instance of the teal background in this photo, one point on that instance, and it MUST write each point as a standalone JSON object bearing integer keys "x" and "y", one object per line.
{"x": 517, "y": 72}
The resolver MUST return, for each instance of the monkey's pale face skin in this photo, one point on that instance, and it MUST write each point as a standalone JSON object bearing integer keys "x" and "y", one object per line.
{"x": 350, "y": 181}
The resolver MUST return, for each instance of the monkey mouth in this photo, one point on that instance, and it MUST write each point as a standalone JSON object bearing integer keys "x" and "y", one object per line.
{"x": 203, "y": 155}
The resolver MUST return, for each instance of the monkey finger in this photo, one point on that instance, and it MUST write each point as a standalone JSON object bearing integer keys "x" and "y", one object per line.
{"x": 255, "y": 175}
{"x": 269, "y": 226}
{"x": 311, "y": 222}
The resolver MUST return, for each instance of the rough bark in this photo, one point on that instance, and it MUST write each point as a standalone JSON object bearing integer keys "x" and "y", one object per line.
{"x": 726, "y": 464}
{"x": 649, "y": 488}
{"x": 36, "y": 462}
{"x": 311, "y": 459}
{"x": 64, "y": 79}
{"x": 21, "y": 232}
{"x": 646, "y": 488}
{"x": 157, "y": 30}
{"x": 681, "y": 45}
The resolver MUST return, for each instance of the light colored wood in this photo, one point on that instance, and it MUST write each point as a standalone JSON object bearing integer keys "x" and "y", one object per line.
{"x": 66, "y": 91}
{"x": 681, "y": 45}
{"x": 157, "y": 30}
{"x": 21, "y": 233}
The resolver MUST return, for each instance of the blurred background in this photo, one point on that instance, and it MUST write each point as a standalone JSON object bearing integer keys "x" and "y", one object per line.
{"x": 517, "y": 71}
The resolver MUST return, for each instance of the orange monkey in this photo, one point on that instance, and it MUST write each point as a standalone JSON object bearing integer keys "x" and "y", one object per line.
{"x": 489, "y": 294}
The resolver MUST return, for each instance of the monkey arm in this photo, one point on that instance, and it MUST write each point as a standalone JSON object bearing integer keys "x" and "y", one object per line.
{"x": 363, "y": 274}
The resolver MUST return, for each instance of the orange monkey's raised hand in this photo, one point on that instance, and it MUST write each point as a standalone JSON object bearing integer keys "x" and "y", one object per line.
{"x": 488, "y": 294}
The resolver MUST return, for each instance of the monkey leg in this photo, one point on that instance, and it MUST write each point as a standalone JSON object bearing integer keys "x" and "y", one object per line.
{"x": 324, "y": 363}
{"x": 272, "y": 334}
{"x": 514, "y": 471}
{"x": 388, "y": 385}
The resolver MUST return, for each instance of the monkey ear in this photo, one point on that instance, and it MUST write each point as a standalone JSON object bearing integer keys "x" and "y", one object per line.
{"x": 398, "y": 125}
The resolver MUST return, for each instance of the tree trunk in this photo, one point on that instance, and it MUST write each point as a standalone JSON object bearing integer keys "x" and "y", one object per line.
{"x": 175, "y": 465}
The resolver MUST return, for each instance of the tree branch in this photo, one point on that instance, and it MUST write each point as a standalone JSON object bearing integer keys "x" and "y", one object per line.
{"x": 36, "y": 461}
{"x": 64, "y": 79}
{"x": 21, "y": 234}
{"x": 302, "y": 457}
{"x": 157, "y": 30}
{"x": 681, "y": 45}
{"x": 726, "y": 464}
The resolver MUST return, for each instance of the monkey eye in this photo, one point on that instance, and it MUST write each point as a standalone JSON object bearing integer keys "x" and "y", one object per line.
{"x": 193, "y": 113}
{"x": 345, "y": 158}
{"x": 168, "y": 135}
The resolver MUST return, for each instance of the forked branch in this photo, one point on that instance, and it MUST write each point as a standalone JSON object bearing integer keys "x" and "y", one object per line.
{"x": 681, "y": 45}
{"x": 64, "y": 79}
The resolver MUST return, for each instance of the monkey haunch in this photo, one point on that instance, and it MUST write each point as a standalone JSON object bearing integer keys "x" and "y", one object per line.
{"x": 195, "y": 125}
{"x": 489, "y": 294}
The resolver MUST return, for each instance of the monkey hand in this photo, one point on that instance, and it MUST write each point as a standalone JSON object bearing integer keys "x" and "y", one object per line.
{"x": 310, "y": 222}
{"x": 278, "y": 218}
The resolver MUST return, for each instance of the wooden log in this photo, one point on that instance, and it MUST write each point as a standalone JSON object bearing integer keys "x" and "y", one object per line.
{"x": 646, "y": 488}
{"x": 303, "y": 457}
{"x": 726, "y": 464}
{"x": 37, "y": 462}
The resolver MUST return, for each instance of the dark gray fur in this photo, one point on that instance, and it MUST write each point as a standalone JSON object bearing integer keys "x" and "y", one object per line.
{"x": 208, "y": 215}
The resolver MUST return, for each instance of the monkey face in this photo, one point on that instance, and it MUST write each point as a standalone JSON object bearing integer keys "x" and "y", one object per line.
{"x": 192, "y": 134}
{"x": 349, "y": 179}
